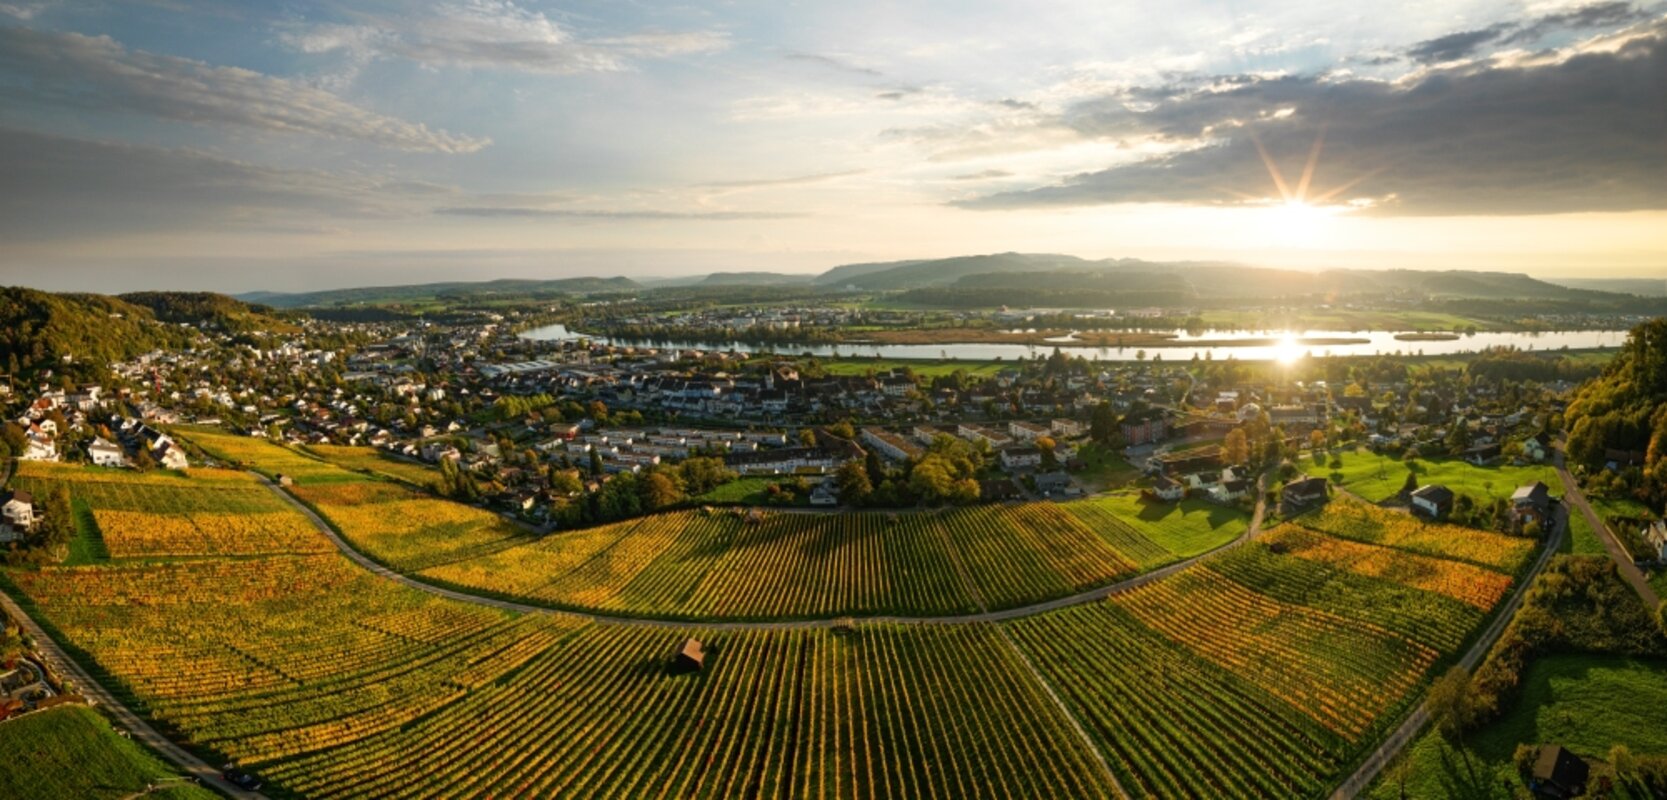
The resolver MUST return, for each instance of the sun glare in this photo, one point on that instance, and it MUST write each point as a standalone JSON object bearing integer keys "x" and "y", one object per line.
{"x": 1297, "y": 222}
{"x": 1287, "y": 351}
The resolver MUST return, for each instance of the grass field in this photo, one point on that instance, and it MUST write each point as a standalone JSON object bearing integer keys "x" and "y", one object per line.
{"x": 372, "y": 460}
{"x": 72, "y": 752}
{"x": 750, "y": 491}
{"x": 926, "y": 369}
{"x": 1378, "y": 478}
{"x": 1105, "y": 469}
{"x": 1261, "y": 672}
{"x": 1586, "y": 703}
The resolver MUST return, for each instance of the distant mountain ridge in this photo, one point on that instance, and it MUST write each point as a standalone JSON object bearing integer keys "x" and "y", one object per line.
{"x": 426, "y": 291}
{"x": 1050, "y": 277}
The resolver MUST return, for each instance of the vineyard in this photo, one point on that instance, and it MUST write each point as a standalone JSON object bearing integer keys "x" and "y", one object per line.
{"x": 729, "y": 565}
{"x": 205, "y": 513}
{"x": 1265, "y": 670}
{"x": 1365, "y": 523}
{"x": 725, "y": 565}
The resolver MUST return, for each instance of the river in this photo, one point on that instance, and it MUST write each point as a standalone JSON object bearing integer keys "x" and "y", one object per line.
{"x": 1289, "y": 349}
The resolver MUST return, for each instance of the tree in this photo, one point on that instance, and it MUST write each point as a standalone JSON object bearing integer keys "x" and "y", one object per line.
{"x": 702, "y": 474}
{"x": 1661, "y": 617}
{"x": 142, "y": 459}
{"x": 1102, "y": 424}
{"x": 659, "y": 491}
{"x": 1316, "y": 441}
{"x": 565, "y": 481}
{"x": 1045, "y": 445}
{"x": 855, "y": 487}
{"x": 807, "y": 437}
{"x": 1458, "y": 439}
{"x": 931, "y": 479}
{"x": 1235, "y": 449}
{"x": 58, "y": 519}
{"x": 843, "y": 429}
{"x": 11, "y": 644}
{"x": 1449, "y": 706}
{"x": 1411, "y": 483}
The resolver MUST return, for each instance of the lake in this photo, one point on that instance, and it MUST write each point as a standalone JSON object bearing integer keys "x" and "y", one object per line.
{"x": 1370, "y": 343}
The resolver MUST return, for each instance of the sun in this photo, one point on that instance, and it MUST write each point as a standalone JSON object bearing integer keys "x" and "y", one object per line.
{"x": 1287, "y": 350}
{"x": 1297, "y": 222}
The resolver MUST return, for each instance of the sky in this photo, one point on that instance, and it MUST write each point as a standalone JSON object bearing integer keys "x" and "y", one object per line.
{"x": 294, "y": 145}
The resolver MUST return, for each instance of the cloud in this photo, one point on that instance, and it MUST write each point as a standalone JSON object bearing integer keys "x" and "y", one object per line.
{"x": 1464, "y": 44}
{"x": 495, "y": 34}
{"x": 499, "y": 212}
{"x": 1455, "y": 46}
{"x": 1578, "y": 132}
{"x": 836, "y": 64}
{"x": 98, "y": 73}
{"x": 793, "y": 180}
{"x": 982, "y": 175}
{"x": 56, "y": 187}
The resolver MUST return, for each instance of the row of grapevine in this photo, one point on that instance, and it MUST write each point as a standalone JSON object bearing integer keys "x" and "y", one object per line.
{"x": 1349, "y": 519}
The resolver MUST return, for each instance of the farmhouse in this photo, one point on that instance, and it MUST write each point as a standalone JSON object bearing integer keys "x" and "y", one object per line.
{"x": 1433, "y": 500}
{"x": 1531, "y": 503}
{"x": 691, "y": 656}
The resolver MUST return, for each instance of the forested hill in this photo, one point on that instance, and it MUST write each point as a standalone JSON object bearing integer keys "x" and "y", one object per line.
{"x": 209, "y": 310}
{"x": 76, "y": 334}
{"x": 417, "y": 293}
{"x": 1622, "y": 415}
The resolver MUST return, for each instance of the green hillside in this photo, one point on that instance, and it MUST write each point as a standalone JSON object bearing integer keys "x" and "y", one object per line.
{"x": 76, "y": 334}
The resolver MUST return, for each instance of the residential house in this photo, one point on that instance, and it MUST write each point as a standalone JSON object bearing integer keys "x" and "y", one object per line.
{"x": 1433, "y": 500}
{"x": 1026, "y": 431}
{"x": 105, "y": 453}
{"x": 1655, "y": 534}
{"x": 19, "y": 511}
{"x": 1020, "y": 457}
{"x": 170, "y": 456}
{"x": 1146, "y": 428}
{"x": 1558, "y": 773}
{"x": 1056, "y": 484}
{"x": 1303, "y": 494}
{"x": 1167, "y": 488}
{"x": 1531, "y": 503}
{"x": 1066, "y": 428}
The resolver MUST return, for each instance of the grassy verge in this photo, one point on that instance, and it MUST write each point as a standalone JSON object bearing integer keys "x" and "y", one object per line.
{"x": 71, "y": 751}
{"x": 1587, "y": 703}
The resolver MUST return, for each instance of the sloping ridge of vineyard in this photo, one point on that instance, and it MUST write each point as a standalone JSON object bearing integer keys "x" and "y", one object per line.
{"x": 1264, "y": 670}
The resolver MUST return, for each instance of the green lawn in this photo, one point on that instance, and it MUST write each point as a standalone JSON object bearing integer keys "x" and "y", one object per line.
{"x": 1105, "y": 469}
{"x": 1378, "y": 478}
{"x": 741, "y": 490}
{"x": 1186, "y": 529}
{"x": 1586, "y": 703}
{"x": 71, "y": 751}
{"x": 927, "y": 369}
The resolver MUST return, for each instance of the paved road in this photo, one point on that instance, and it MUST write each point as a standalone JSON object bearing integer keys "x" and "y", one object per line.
{"x": 60, "y": 662}
{"x": 986, "y": 616}
{"x": 1617, "y": 552}
{"x": 1415, "y": 722}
